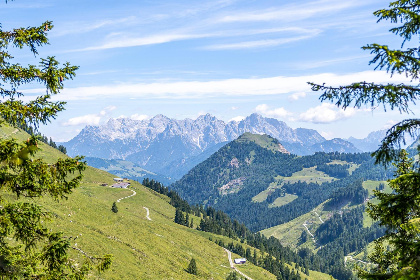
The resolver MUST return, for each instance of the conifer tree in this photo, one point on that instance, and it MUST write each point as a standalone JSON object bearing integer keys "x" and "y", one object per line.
{"x": 192, "y": 267}
{"x": 28, "y": 249}
{"x": 114, "y": 207}
{"x": 399, "y": 211}
{"x": 179, "y": 217}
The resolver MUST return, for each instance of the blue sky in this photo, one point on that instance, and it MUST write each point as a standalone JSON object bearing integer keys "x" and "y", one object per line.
{"x": 229, "y": 58}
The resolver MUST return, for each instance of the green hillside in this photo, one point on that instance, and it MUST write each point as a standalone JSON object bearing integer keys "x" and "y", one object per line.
{"x": 141, "y": 248}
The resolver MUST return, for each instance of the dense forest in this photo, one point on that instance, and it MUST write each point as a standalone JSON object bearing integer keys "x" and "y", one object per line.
{"x": 259, "y": 167}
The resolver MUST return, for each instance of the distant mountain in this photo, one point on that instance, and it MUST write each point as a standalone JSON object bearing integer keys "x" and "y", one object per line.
{"x": 370, "y": 143}
{"x": 172, "y": 147}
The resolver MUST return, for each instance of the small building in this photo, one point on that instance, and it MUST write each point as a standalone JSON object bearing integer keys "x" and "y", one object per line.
{"x": 118, "y": 179}
{"x": 120, "y": 185}
{"x": 240, "y": 261}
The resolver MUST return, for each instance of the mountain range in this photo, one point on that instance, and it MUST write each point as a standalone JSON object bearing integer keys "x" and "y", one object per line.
{"x": 172, "y": 147}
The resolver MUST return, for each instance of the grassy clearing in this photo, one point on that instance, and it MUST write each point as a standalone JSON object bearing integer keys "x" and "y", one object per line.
{"x": 371, "y": 186}
{"x": 308, "y": 175}
{"x": 262, "y": 196}
{"x": 287, "y": 198}
{"x": 290, "y": 232}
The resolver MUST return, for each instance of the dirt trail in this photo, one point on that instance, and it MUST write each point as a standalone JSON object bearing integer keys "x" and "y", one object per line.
{"x": 233, "y": 266}
{"x": 147, "y": 213}
{"x": 134, "y": 193}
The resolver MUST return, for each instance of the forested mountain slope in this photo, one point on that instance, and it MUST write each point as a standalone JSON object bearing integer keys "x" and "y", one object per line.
{"x": 263, "y": 188}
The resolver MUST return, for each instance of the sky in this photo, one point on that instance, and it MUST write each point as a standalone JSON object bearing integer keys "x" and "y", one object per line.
{"x": 229, "y": 58}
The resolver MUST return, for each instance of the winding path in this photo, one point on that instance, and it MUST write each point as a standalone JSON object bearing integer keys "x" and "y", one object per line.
{"x": 147, "y": 213}
{"x": 147, "y": 209}
{"x": 233, "y": 266}
{"x": 134, "y": 193}
{"x": 319, "y": 216}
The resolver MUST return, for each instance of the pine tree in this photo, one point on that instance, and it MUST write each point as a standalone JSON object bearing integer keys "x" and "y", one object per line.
{"x": 28, "y": 249}
{"x": 114, "y": 207}
{"x": 399, "y": 211}
{"x": 192, "y": 267}
{"x": 179, "y": 217}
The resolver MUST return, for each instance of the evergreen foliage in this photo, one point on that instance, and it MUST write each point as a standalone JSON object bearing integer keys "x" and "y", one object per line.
{"x": 334, "y": 170}
{"x": 192, "y": 267}
{"x": 28, "y": 249}
{"x": 354, "y": 193}
{"x": 233, "y": 276}
{"x": 114, "y": 207}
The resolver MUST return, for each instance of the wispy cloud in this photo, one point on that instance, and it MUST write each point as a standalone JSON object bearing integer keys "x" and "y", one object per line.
{"x": 84, "y": 27}
{"x": 221, "y": 88}
{"x": 259, "y": 43}
{"x": 323, "y": 63}
{"x": 122, "y": 40}
{"x": 125, "y": 42}
{"x": 291, "y": 12}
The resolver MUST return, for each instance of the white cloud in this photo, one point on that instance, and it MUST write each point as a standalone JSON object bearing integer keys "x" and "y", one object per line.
{"x": 90, "y": 119}
{"x": 125, "y": 40}
{"x": 291, "y": 12}
{"x": 297, "y": 95}
{"x": 220, "y": 88}
{"x": 327, "y": 134}
{"x": 129, "y": 41}
{"x": 389, "y": 124}
{"x": 326, "y": 113}
{"x": 237, "y": 119}
{"x": 139, "y": 117}
{"x": 259, "y": 43}
{"x": 265, "y": 110}
{"x": 84, "y": 27}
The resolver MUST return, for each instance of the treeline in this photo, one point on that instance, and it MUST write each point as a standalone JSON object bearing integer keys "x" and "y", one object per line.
{"x": 334, "y": 170}
{"x": 355, "y": 194}
{"x": 272, "y": 196}
{"x": 43, "y": 138}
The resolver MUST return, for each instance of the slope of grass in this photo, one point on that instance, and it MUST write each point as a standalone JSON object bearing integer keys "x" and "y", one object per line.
{"x": 264, "y": 141}
{"x": 289, "y": 233}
